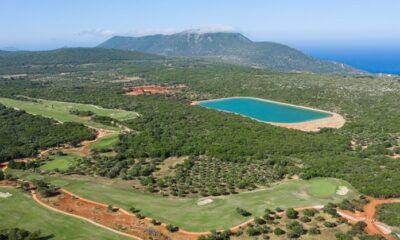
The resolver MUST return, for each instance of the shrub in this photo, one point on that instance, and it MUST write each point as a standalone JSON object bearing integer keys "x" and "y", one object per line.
{"x": 251, "y": 231}
{"x": 329, "y": 224}
{"x": 172, "y": 228}
{"x": 305, "y": 219}
{"x": 291, "y": 213}
{"x": 295, "y": 229}
{"x": 259, "y": 221}
{"x": 134, "y": 210}
{"x": 314, "y": 231}
{"x": 310, "y": 212}
{"x": 279, "y": 231}
{"x": 243, "y": 212}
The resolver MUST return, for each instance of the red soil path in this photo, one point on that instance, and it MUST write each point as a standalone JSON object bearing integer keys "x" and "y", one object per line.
{"x": 153, "y": 89}
{"x": 118, "y": 220}
{"x": 369, "y": 216}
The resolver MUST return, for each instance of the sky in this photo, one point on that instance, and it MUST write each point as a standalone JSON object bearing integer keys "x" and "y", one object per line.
{"x": 305, "y": 24}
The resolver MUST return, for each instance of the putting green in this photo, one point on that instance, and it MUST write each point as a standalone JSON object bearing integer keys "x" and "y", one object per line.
{"x": 60, "y": 162}
{"x": 60, "y": 111}
{"x": 21, "y": 211}
{"x": 322, "y": 188}
{"x": 186, "y": 213}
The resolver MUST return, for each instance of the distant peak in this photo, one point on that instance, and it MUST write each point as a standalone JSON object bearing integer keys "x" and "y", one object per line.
{"x": 212, "y": 29}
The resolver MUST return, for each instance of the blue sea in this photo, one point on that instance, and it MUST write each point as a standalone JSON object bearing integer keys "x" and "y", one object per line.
{"x": 263, "y": 110}
{"x": 373, "y": 60}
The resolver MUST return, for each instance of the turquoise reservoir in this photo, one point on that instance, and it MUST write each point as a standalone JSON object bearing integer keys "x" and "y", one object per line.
{"x": 264, "y": 110}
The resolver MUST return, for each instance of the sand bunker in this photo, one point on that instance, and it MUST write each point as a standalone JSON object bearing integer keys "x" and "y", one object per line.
{"x": 204, "y": 201}
{"x": 342, "y": 191}
{"x": 5, "y": 194}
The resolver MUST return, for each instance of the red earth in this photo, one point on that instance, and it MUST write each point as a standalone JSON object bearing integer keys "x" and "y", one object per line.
{"x": 153, "y": 89}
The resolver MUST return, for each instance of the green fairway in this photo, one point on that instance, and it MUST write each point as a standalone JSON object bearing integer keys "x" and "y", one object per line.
{"x": 60, "y": 162}
{"x": 220, "y": 214}
{"x": 322, "y": 188}
{"x": 60, "y": 111}
{"x": 106, "y": 142}
{"x": 21, "y": 211}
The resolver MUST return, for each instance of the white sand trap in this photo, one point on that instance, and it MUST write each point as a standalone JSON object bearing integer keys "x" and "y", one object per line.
{"x": 5, "y": 194}
{"x": 342, "y": 190}
{"x": 204, "y": 201}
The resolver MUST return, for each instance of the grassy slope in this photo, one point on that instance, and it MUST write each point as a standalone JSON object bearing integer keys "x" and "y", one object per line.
{"x": 220, "y": 214}
{"x": 21, "y": 211}
{"x": 60, "y": 111}
{"x": 60, "y": 162}
{"x": 105, "y": 142}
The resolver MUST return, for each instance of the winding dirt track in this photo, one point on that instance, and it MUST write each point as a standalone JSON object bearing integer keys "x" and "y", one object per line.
{"x": 369, "y": 216}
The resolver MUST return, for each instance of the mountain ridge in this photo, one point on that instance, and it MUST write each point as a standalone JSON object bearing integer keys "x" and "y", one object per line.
{"x": 71, "y": 55}
{"x": 229, "y": 47}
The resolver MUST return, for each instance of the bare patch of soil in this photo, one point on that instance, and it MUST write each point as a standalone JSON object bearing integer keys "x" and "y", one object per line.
{"x": 153, "y": 89}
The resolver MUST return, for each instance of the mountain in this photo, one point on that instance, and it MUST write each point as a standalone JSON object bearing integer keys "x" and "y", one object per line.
{"x": 9, "y": 49}
{"x": 231, "y": 48}
{"x": 71, "y": 56}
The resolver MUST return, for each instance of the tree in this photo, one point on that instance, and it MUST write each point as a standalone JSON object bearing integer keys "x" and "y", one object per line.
{"x": 172, "y": 228}
{"x": 279, "y": 231}
{"x": 314, "y": 231}
{"x": 291, "y": 213}
{"x": 295, "y": 229}
{"x": 1, "y": 175}
{"x": 243, "y": 212}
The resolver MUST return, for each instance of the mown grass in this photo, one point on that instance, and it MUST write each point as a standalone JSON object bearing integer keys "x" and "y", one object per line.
{"x": 185, "y": 213}
{"x": 60, "y": 162}
{"x": 21, "y": 211}
{"x": 322, "y": 188}
{"x": 60, "y": 111}
{"x": 106, "y": 142}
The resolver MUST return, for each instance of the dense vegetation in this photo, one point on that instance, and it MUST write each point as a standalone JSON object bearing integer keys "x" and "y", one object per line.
{"x": 70, "y": 56}
{"x": 21, "y": 234}
{"x": 23, "y": 134}
{"x": 389, "y": 214}
{"x": 168, "y": 126}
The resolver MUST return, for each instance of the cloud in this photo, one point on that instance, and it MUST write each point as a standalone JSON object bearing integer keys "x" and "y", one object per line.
{"x": 151, "y": 31}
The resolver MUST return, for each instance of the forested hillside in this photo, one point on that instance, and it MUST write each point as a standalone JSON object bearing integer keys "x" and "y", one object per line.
{"x": 230, "y": 48}
{"x": 22, "y": 134}
{"x": 71, "y": 56}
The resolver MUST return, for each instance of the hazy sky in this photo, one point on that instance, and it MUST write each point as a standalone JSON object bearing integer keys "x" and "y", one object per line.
{"x": 44, "y": 24}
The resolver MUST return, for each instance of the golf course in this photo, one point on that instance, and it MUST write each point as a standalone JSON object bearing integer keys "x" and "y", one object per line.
{"x": 21, "y": 211}
{"x": 61, "y": 111}
{"x": 218, "y": 214}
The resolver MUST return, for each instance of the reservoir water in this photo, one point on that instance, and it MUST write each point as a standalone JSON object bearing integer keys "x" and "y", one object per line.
{"x": 264, "y": 110}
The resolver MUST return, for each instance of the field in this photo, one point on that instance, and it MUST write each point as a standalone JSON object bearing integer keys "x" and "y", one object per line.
{"x": 21, "y": 211}
{"x": 220, "y": 214}
{"x": 60, "y": 111}
{"x": 60, "y": 162}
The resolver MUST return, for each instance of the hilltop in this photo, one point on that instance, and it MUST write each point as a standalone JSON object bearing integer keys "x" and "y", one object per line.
{"x": 71, "y": 56}
{"x": 230, "y": 48}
